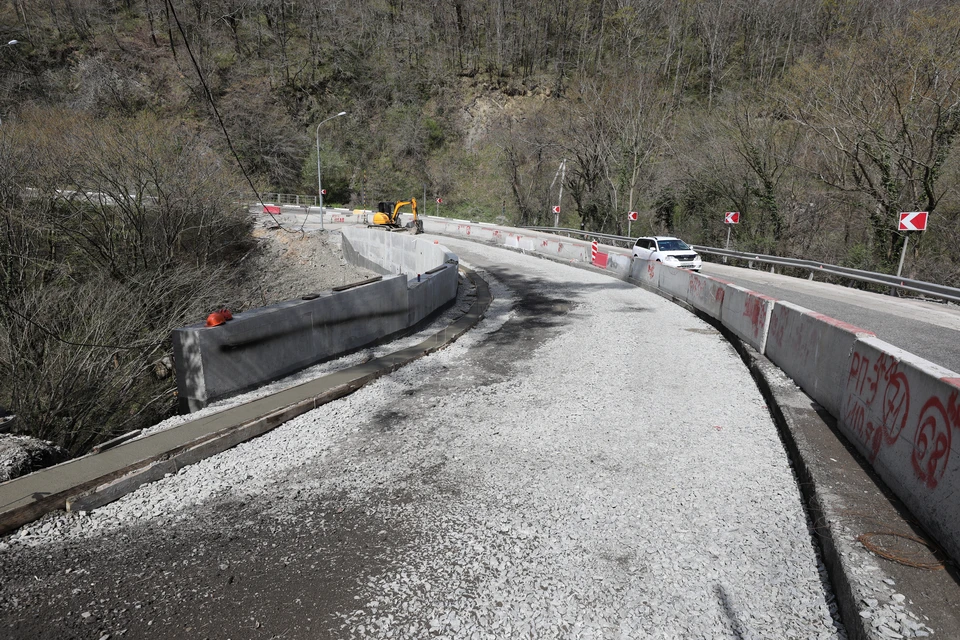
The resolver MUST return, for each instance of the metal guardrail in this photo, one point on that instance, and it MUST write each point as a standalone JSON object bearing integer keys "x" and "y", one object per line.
{"x": 281, "y": 198}
{"x": 903, "y": 284}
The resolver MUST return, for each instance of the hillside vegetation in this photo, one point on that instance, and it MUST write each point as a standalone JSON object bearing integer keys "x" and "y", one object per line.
{"x": 819, "y": 121}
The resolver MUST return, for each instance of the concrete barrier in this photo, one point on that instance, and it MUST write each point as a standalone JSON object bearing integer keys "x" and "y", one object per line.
{"x": 265, "y": 344}
{"x": 619, "y": 265}
{"x": 674, "y": 281}
{"x": 706, "y": 294}
{"x": 814, "y": 350}
{"x": 388, "y": 252}
{"x": 646, "y": 271}
{"x": 902, "y": 412}
{"x": 747, "y": 314}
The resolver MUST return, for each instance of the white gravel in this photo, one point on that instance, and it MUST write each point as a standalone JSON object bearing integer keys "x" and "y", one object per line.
{"x": 612, "y": 472}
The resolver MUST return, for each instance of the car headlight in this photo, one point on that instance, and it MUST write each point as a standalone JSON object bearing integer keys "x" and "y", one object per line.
{"x": 670, "y": 258}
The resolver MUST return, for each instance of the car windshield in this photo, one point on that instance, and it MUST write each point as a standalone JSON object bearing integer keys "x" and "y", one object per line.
{"x": 672, "y": 245}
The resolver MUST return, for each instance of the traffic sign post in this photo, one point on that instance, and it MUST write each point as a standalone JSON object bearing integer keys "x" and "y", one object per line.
{"x": 439, "y": 202}
{"x": 561, "y": 172}
{"x": 730, "y": 218}
{"x": 631, "y": 216}
{"x": 910, "y": 221}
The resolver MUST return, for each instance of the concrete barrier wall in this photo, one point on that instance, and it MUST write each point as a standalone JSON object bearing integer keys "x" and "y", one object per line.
{"x": 747, "y": 314}
{"x": 646, "y": 271}
{"x": 902, "y": 413}
{"x": 265, "y": 344}
{"x": 391, "y": 252}
{"x": 706, "y": 294}
{"x": 675, "y": 281}
{"x": 432, "y": 292}
{"x": 814, "y": 350}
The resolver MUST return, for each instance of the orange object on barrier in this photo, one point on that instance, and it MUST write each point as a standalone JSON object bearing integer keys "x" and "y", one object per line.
{"x": 215, "y": 319}
{"x": 226, "y": 314}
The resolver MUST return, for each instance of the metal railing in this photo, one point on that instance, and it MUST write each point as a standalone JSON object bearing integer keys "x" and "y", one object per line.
{"x": 281, "y": 198}
{"x": 903, "y": 284}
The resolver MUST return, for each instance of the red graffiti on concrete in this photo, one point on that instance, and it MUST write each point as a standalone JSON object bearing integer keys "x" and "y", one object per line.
{"x": 864, "y": 385}
{"x": 699, "y": 287}
{"x": 695, "y": 286}
{"x": 931, "y": 444}
{"x": 559, "y": 247}
{"x": 651, "y": 271}
{"x": 753, "y": 309}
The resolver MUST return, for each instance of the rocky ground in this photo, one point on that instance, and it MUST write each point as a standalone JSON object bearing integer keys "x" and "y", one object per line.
{"x": 289, "y": 264}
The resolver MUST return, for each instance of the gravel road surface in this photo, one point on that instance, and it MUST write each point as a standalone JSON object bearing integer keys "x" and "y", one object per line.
{"x": 590, "y": 462}
{"x": 930, "y": 330}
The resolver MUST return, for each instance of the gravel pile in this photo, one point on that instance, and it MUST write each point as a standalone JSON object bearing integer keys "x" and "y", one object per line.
{"x": 590, "y": 462}
{"x": 20, "y": 455}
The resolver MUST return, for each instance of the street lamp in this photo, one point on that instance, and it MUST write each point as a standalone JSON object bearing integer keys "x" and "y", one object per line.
{"x": 319, "y": 184}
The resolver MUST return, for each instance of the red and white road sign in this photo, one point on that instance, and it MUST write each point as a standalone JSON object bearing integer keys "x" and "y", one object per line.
{"x": 593, "y": 251}
{"x": 913, "y": 221}
{"x": 731, "y": 217}
{"x": 556, "y": 209}
{"x": 439, "y": 200}
{"x": 323, "y": 192}
{"x": 632, "y": 215}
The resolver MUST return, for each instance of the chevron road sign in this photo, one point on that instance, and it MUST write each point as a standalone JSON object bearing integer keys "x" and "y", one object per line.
{"x": 732, "y": 217}
{"x": 913, "y": 221}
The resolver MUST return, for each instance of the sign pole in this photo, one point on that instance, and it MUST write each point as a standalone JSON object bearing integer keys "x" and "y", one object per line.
{"x": 902, "y": 254}
{"x": 729, "y": 229}
{"x": 563, "y": 173}
{"x": 629, "y": 223}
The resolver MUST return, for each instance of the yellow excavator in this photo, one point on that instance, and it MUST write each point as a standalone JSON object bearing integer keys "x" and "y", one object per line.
{"x": 388, "y": 217}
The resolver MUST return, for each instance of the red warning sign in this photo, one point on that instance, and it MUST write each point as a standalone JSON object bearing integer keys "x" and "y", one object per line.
{"x": 913, "y": 221}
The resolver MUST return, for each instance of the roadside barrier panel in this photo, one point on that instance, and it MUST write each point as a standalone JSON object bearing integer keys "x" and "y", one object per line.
{"x": 814, "y": 350}
{"x": 389, "y": 252}
{"x": 747, "y": 314}
{"x": 261, "y": 345}
{"x": 619, "y": 264}
{"x": 527, "y": 243}
{"x": 706, "y": 294}
{"x": 902, "y": 413}
{"x": 646, "y": 271}
{"x": 674, "y": 281}
{"x": 265, "y": 344}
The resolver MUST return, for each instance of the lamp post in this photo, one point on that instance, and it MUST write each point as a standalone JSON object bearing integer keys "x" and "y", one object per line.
{"x": 319, "y": 184}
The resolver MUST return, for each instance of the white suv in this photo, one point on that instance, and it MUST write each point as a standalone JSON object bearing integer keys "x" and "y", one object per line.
{"x": 672, "y": 252}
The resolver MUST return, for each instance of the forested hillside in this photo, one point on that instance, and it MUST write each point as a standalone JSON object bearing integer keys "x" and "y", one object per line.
{"x": 818, "y": 120}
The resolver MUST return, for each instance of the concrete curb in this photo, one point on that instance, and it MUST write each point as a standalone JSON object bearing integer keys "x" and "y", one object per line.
{"x": 97, "y": 479}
